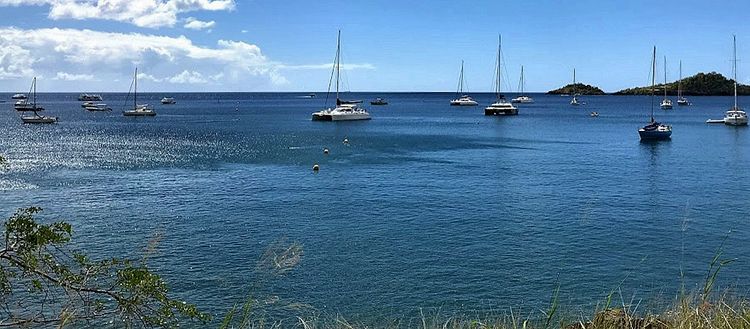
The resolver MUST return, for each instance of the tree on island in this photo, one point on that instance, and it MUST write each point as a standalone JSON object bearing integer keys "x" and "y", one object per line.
{"x": 44, "y": 283}
{"x": 701, "y": 84}
{"x": 578, "y": 88}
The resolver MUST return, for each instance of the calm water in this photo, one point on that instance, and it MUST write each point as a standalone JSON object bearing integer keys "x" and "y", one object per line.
{"x": 429, "y": 205}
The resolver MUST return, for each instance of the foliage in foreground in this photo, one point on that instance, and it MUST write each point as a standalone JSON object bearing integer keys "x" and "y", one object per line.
{"x": 43, "y": 283}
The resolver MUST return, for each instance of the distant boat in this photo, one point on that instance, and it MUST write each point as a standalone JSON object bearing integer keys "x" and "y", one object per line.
{"x": 168, "y": 100}
{"x": 735, "y": 116}
{"x": 666, "y": 103}
{"x": 682, "y": 101}
{"x": 18, "y": 96}
{"x": 379, "y": 101}
{"x": 654, "y": 130}
{"x": 89, "y": 97}
{"x": 594, "y": 114}
{"x": 344, "y": 110}
{"x": 574, "y": 101}
{"x": 35, "y": 117}
{"x": 522, "y": 98}
{"x": 26, "y": 105}
{"x": 463, "y": 99}
{"x": 100, "y": 107}
{"x": 141, "y": 110}
{"x": 500, "y": 106}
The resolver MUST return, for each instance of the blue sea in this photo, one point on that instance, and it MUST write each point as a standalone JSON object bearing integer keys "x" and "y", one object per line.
{"x": 428, "y": 207}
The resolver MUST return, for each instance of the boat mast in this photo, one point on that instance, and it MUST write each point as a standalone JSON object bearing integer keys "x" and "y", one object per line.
{"x": 665, "y": 77}
{"x": 522, "y": 82}
{"x": 653, "y": 82}
{"x": 338, "y": 68}
{"x": 679, "y": 84}
{"x": 461, "y": 80}
{"x": 498, "y": 70}
{"x": 33, "y": 83}
{"x": 734, "y": 68}
{"x": 574, "y": 82}
{"x": 135, "y": 89}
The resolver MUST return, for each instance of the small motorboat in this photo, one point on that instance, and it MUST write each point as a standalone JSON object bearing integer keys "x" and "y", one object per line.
{"x": 168, "y": 100}
{"x": 19, "y": 96}
{"x": 97, "y": 108}
{"x": 594, "y": 114}
{"x": 379, "y": 101}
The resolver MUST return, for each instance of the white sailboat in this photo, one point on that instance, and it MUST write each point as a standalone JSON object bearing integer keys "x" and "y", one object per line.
{"x": 666, "y": 103}
{"x": 344, "y": 110}
{"x": 654, "y": 130}
{"x": 35, "y": 117}
{"x": 574, "y": 101}
{"x": 682, "y": 101}
{"x": 139, "y": 110}
{"x": 522, "y": 98}
{"x": 500, "y": 106}
{"x": 461, "y": 98}
{"x": 735, "y": 116}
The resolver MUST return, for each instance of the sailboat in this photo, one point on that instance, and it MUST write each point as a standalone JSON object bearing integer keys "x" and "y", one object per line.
{"x": 461, "y": 98}
{"x": 522, "y": 98}
{"x": 500, "y": 106}
{"x": 682, "y": 101}
{"x": 654, "y": 130}
{"x": 35, "y": 118}
{"x": 344, "y": 110}
{"x": 735, "y": 116}
{"x": 141, "y": 110}
{"x": 574, "y": 101}
{"x": 666, "y": 103}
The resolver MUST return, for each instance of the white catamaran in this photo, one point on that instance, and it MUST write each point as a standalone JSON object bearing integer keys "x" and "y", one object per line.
{"x": 344, "y": 110}
{"x": 522, "y": 98}
{"x": 461, "y": 98}
{"x": 666, "y": 103}
{"x": 735, "y": 116}
{"x": 500, "y": 106}
{"x": 682, "y": 101}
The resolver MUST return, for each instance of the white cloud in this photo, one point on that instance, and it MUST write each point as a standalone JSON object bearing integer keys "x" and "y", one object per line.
{"x": 186, "y": 76}
{"x": 233, "y": 64}
{"x": 74, "y": 77}
{"x": 143, "y": 13}
{"x": 15, "y": 62}
{"x": 144, "y": 76}
{"x": 195, "y": 24}
{"x": 328, "y": 66}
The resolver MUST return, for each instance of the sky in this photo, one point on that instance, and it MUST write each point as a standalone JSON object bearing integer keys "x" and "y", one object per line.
{"x": 389, "y": 45}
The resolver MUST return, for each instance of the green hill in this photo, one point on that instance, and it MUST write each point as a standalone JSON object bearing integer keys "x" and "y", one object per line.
{"x": 578, "y": 88}
{"x": 701, "y": 84}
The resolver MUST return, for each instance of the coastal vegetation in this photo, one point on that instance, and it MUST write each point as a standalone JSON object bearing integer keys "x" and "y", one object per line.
{"x": 701, "y": 84}
{"x": 46, "y": 283}
{"x": 578, "y": 88}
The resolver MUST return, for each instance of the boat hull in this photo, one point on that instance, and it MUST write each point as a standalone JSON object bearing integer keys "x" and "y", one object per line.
{"x": 138, "y": 114}
{"x": 654, "y": 134}
{"x": 39, "y": 120}
{"x": 735, "y": 121}
{"x": 500, "y": 111}
{"x": 464, "y": 103}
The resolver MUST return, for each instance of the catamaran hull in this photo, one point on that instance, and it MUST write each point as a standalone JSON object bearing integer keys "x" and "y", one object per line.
{"x": 654, "y": 135}
{"x": 735, "y": 121}
{"x": 138, "y": 114}
{"x": 491, "y": 111}
{"x": 458, "y": 103}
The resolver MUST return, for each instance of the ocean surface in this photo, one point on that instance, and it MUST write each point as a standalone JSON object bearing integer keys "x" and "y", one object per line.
{"x": 429, "y": 206}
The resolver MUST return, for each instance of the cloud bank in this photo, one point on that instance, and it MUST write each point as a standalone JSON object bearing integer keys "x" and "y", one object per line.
{"x": 142, "y": 13}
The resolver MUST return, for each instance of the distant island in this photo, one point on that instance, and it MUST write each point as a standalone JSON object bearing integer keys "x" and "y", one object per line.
{"x": 701, "y": 84}
{"x": 578, "y": 88}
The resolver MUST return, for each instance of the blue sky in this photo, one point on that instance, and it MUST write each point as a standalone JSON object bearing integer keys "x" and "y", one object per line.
{"x": 228, "y": 45}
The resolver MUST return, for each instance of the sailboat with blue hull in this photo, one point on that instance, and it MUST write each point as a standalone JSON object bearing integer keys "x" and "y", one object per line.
{"x": 654, "y": 130}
